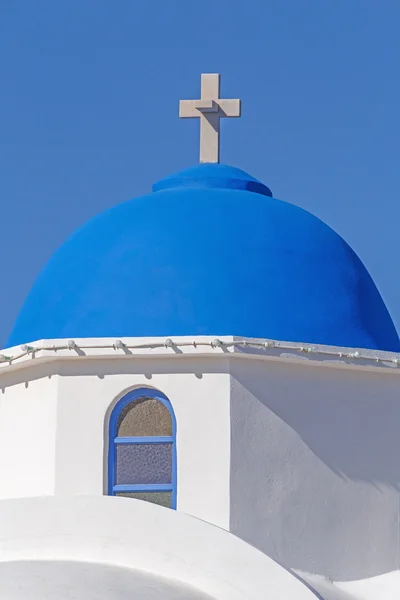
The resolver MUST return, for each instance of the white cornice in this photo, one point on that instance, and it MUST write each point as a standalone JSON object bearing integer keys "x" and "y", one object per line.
{"x": 180, "y": 348}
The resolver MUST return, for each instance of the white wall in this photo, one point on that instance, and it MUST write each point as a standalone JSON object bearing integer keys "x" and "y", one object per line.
{"x": 28, "y": 425}
{"x": 153, "y": 543}
{"x": 199, "y": 393}
{"x": 300, "y": 459}
{"x": 54, "y": 423}
{"x": 315, "y": 466}
{"x": 38, "y": 579}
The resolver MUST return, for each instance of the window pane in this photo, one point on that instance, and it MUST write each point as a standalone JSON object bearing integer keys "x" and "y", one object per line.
{"x": 161, "y": 498}
{"x": 144, "y": 463}
{"x": 144, "y": 417}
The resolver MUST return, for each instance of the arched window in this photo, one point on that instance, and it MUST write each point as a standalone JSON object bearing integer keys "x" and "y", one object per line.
{"x": 142, "y": 448}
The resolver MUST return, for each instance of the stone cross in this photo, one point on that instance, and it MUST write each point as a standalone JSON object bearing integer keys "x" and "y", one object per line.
{"x": 210, "y": 109}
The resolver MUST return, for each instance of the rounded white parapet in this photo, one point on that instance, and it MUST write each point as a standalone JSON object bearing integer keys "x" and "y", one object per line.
{"x": 123, "y": 548}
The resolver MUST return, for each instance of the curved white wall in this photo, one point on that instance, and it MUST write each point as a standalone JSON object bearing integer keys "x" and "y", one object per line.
{"x": 131, "y": 534}
{"x": 38, "y": 579}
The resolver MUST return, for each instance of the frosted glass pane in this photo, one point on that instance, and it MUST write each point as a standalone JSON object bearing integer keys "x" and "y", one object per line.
{"x": 144, "y": 417}
{"x": 161, "y": 498}
{"x": 144, "y": 463}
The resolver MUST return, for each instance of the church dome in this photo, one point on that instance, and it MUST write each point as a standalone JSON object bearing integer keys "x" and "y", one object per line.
{"x": 209, "y": 252}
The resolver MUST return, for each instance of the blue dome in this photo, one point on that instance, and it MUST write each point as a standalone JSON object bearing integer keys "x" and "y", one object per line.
{"x": 209, "y": 252}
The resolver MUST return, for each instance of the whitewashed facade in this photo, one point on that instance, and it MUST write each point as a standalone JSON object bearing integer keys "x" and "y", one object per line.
{"x": 289, "y": 448}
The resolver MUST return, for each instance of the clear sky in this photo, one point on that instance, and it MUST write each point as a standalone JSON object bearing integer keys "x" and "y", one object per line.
{"x": 89, "y": 115}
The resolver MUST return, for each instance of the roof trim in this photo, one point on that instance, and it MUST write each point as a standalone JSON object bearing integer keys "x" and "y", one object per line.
{"x": 180, "y": 348}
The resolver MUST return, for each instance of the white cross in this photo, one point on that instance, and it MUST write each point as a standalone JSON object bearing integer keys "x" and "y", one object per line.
{"x": 210, "y": 109}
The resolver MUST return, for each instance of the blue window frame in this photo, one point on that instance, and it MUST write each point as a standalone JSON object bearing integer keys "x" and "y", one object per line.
{"x": 143, "y": 465}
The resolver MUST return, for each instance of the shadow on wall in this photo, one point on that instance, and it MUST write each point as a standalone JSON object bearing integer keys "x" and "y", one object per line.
{"x": 103, "y": 367}
{"x": 315, "y": 474}
{"x": 350, "y": 421}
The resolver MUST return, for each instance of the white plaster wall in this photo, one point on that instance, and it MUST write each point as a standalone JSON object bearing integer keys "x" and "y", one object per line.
{"x": 199, "y": 393}
{"x": 315, "y": 466}
{"x": 54, "y": 427}
{"x": 28, "y": 408}
{"x": 38, "y": 579}
{"x": 175, "y": 552}
{"x": 301, "y": 460}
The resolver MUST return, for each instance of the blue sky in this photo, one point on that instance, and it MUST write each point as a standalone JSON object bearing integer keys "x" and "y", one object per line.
{"x": 89, "y": 115}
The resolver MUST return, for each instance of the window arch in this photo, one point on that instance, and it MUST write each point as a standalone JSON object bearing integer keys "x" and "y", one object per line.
{"x": 142, "y": 448}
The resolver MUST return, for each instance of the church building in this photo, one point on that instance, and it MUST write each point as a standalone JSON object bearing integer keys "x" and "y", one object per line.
{"x": 199, "y": 400}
